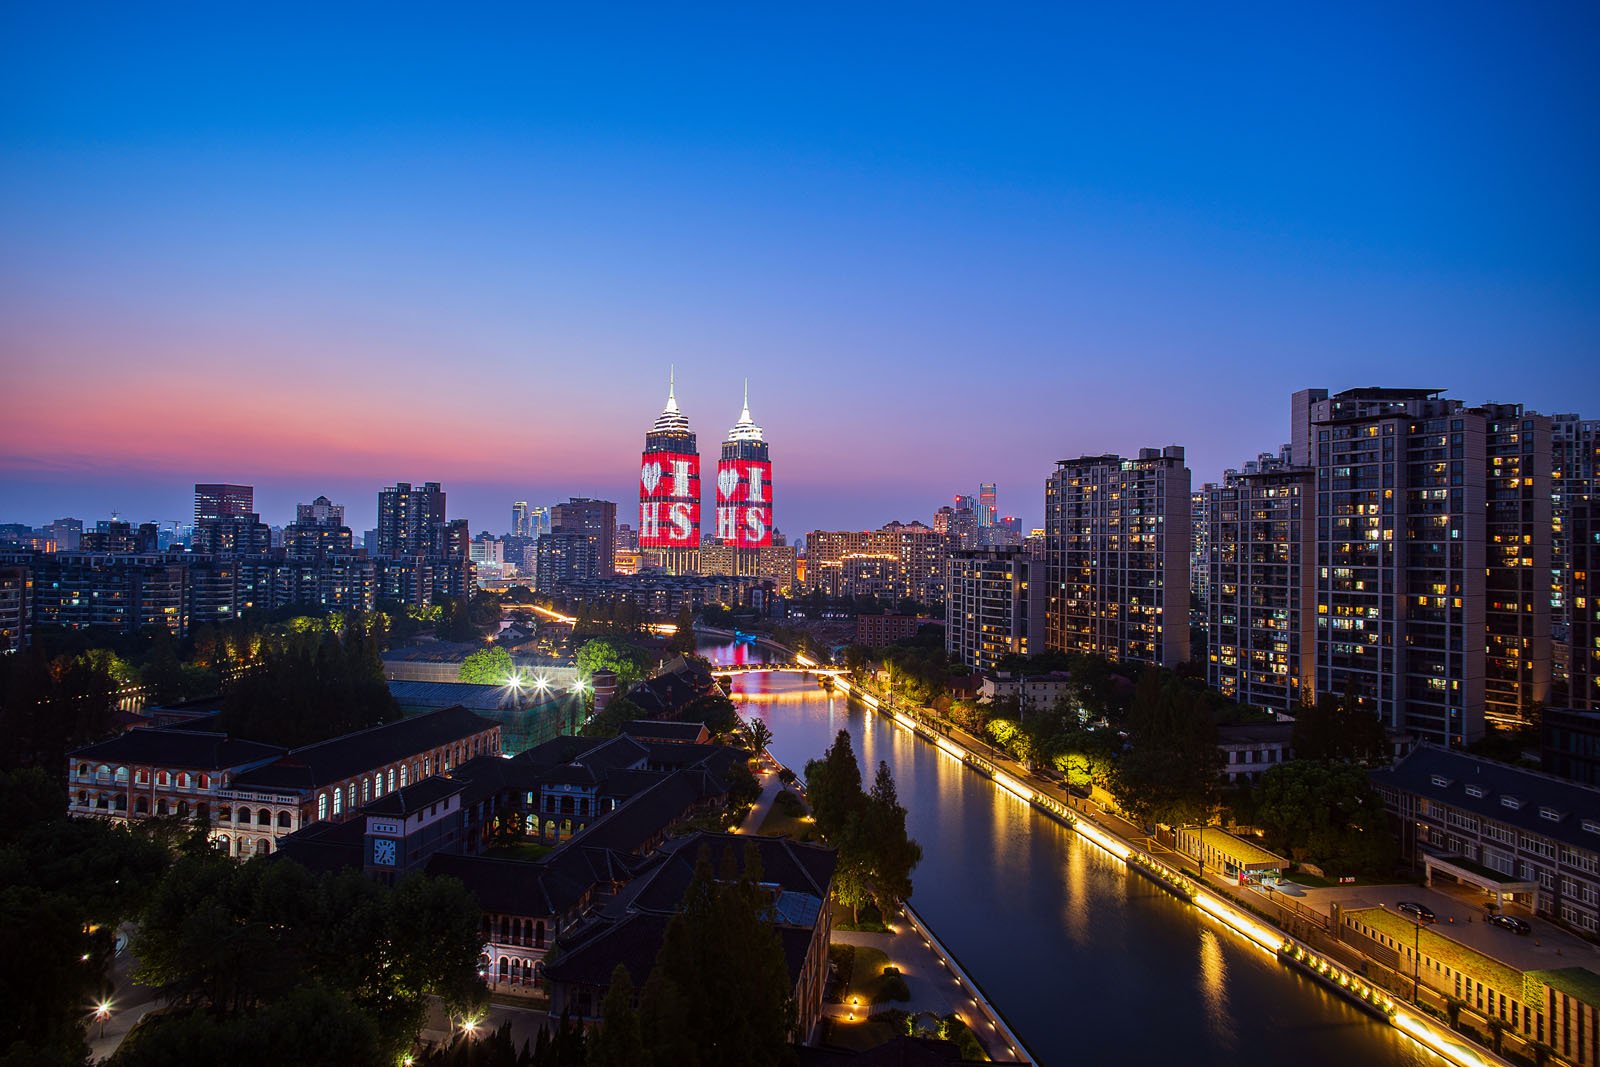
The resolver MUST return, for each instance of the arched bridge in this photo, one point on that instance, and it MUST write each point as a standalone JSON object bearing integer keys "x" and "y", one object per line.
{"x": 777, "y": 668}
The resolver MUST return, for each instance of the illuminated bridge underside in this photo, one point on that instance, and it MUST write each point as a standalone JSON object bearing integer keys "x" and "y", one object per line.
{"x": 778, "y": 668}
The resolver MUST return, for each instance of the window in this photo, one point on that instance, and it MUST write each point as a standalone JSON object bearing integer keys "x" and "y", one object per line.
{"x": 338, "y": 801}
{"x": 322, "y": 807}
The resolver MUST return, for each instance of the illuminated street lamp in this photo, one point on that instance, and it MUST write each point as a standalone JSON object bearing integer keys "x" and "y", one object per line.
{"x": 102, "y": 1012}
{"x": 541, "y": 683}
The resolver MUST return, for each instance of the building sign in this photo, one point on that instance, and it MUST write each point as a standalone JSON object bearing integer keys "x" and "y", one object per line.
{"x": 669, "y": 500}
{"x": 744, "y": 502}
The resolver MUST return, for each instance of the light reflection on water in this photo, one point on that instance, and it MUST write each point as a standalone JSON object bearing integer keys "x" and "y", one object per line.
{"x": 1089, "y": 963}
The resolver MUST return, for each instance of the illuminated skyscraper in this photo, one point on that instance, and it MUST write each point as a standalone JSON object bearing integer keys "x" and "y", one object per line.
{"x": 669, "y": 481}
{"x": 988, "y": 504}
{"x": 744, "y": 484}
{"x": 519, "y": 519}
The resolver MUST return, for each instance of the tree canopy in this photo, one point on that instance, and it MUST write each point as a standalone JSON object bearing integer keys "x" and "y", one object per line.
{"x": 609, "y": 654}
{"x": 1170, "y": 771}
{"x": 1327, "y": 813}
{"x": 488, "y": 666}
{"x": 307, "y": 687}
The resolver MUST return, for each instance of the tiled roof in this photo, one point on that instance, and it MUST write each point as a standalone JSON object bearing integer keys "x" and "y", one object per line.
{"x": 338, "y": 758}
{"x": 413, "y": 798}
{"x": 203, "y": 750}
{"x": 656, "y": 730}
{"x": 513, "y": 887}
{"x": 591, "y": 952}
{"x": 1504, "y": 793}
{"x": 795, "y": 868}
{"x": 453, "y": 694}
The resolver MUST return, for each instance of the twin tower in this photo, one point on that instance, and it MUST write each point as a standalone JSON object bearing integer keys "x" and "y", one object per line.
{"x": 669, "y": 483}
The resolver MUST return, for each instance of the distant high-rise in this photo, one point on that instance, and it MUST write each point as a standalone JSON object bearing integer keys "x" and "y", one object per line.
{"x": 594, "y": 519}
{"x": 519, "y": 519}
{"x": 669, "y": 483}
{"x": 1117, "y": 544}
{"x": 411, "y": 521}
{"x": 225, "y": 522}
{"x": 988, "y": 505}
{"x": 218, "y": 500}
{"x": 318, "y": 529}
{"x": 744, "y": 484}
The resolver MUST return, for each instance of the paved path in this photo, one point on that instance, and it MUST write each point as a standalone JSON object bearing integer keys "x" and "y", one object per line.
{"x": 130, "y": 1002}
{"x": 933, "y": 987}
{"x": 771, "y": 786}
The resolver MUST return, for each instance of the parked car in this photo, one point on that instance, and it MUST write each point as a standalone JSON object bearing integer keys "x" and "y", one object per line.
{"x": 1512, "y": 923}
{"x": 1420, "y": 912}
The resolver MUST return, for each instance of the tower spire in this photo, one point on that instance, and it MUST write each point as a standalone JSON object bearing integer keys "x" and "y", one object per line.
{"x": 744, "y": 416}
{"x": 672, "y": 387}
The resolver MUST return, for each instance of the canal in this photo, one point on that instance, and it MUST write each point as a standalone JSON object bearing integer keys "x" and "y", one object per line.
{"x": 1088, "y": 962}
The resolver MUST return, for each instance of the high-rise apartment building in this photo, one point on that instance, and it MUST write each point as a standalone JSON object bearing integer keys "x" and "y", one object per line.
{"x": 994, "y": 606}
{"x": 1261, "y": 602}
{"x": 596, "y": 519}
{"x": 411, "y": 521}
{"x": 1117, "y": 551}
{"x": 318, "y": 529}
{"x": 669, "y": 486}
{"x": 1517, "y": 543}
{"x": 908, "y": 560}
{"x": 16, "y": 606}
{"x": 1401, "y": 558}
{"x": 1583, "y": 585}
{"x": 219, "y": 500}
{"x": 957, "y": 523}
{"x": 1575, "y": 459}
{"x": 565, "y": 556}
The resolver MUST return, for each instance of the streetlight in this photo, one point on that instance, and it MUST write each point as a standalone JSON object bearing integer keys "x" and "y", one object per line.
{"x": 102, "y": 1012}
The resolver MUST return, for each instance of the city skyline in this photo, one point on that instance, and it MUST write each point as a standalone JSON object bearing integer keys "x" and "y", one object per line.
{"x": 861, "y": 230}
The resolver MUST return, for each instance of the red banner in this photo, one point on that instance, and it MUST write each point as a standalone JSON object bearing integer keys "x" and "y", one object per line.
{"x": 744, "y": 502}
{"x": 669, "y": 500}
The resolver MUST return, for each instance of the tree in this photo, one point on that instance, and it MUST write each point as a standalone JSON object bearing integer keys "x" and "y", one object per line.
{"x": 1326, "y": 812}
{"x": 664, "y": 1020}
{"x": 1170, "y": 770}
{"x": 833, "y": 785}
{"x": 719, "y": 714}
{"x": 759, "y": 734}
{"x": 619, "y": 1041}
{"x": 626, "y": 660}
{"x": 306, "y": 687}
{"x": 892, "y": 854}
{"x": 726, "y": 962}
{"x": 1336, "y": 728}
{"x": 682, "y": 640}
{"x": 488, "y": 666}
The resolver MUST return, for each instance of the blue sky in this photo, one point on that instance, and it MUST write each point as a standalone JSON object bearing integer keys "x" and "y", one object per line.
{"x": 321, "y": 251}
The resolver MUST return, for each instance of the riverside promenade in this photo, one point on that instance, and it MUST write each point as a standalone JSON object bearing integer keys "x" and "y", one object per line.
{"x": 1129, "y": 844}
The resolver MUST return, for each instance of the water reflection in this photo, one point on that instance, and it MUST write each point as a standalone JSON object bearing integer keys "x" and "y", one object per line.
{"x": 1089, "y": 962}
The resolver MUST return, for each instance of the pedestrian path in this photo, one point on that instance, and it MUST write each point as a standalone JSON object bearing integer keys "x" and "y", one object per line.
{"x": 771, "y": 786}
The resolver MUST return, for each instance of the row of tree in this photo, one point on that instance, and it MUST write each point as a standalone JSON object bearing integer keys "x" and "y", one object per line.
{"x": 875, "y": 854}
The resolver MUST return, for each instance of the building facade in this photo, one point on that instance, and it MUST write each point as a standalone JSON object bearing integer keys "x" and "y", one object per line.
{"x": 411, "y": 520}
{"x": 669, "y": 482}
{"x": 994, "y": 606}
{"x": 1261, "y": 600}
{"x": 1117, "y": 557}
{"x": 595, "y": 519}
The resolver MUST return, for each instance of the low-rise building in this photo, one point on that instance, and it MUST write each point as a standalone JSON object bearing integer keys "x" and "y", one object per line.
{"x": 1557, "y": 1008}
{"x": 1030, "y": 690}
{"x": 1250, "y": 749}
{"x": 875, "y": 631}
{"x": 254, "y": 794}
{"x": 1516, "y": 834}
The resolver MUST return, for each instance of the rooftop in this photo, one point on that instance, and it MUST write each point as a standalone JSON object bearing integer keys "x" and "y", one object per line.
{"x": 340, "y": 757}
{"x": 203, "y": 750}
{"x": 1529, "y": 800}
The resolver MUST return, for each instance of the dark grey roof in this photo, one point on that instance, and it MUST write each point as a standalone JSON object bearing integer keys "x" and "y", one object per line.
{"x": 413, "y": 798}
{"x": 793, "y": 867}
{"x": 453, "y": 694}
{"x": 1534, "y": 792}
{"x": 657, "y": 730}
{"x": 1255, "y": 733}
{"x": 338, "y": 758}
{"x": 513, "y": 887}
{"x": 204, "y": 750}
{"x": 589, "y": 953}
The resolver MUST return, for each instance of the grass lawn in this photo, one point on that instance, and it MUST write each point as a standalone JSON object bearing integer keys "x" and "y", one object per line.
{"x": 859, "y": 1035}
{"x": 867, "y": 980}
{"x": 1312, "y": 881}
{"x": 522, "y": 850}
{"x": 782, "y": 824}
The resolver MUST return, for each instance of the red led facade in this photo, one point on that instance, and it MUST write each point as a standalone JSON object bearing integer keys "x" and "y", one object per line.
{"x": 744, "y": 502}
{"x": 669, "y": 500}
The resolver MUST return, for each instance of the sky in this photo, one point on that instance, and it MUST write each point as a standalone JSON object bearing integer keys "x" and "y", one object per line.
{"x": 323, "y": 248}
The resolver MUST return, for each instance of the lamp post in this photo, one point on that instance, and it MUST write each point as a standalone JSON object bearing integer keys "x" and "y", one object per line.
{"x": 102, "y": 1012}
{"x": 1416, "y": 959}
